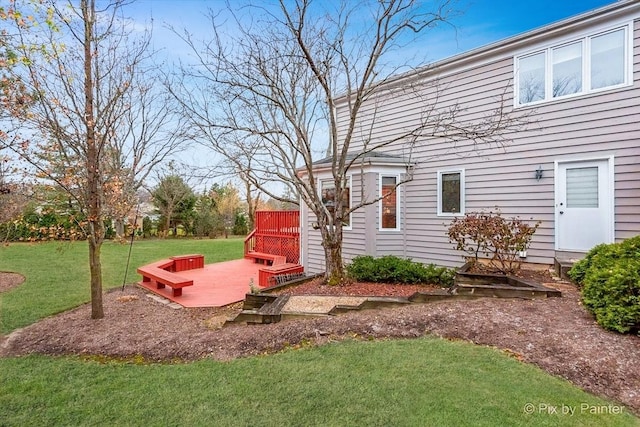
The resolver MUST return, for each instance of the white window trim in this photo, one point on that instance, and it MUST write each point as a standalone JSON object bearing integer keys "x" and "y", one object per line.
{"x": 462, "y": 192}
{"x": 349, "y": 182}
{"x": 397, "y": 195}
{"x": 586, "y": 65}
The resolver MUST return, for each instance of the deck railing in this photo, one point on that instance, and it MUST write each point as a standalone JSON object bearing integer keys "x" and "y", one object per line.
{"x": 282, "y": 223}
{"x": 276, "y": 233}
{"x": 250, "y": 242}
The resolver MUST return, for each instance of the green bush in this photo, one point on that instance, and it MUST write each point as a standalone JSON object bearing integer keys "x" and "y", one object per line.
{"x": 147, "y": 227}
{"x": 26, "y": 230}
{"x": 579, "y": 269}
{"x": 610, "y": 279}
{"x": 240, "y": 225}
{"x": 392, "y": 269}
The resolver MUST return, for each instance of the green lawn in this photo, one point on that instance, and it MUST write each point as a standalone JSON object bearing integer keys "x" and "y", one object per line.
{"x": 57, "y": 273}
{"x": 423, "y": 382}
{"x": 419, "y": 382}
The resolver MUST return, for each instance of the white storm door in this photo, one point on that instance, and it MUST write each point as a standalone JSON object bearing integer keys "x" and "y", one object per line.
{"x": 584, "y": 205}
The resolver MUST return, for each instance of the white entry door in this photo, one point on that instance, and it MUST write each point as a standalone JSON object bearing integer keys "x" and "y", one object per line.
{"x": 584, "y": 205}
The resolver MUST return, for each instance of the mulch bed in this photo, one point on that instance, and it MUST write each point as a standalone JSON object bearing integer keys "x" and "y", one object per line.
{"x": 556, "y": 334}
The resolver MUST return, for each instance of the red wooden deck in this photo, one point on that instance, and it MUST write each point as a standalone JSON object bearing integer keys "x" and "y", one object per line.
{"x": 276, "y": 237}
{"x": 215, "y": 285}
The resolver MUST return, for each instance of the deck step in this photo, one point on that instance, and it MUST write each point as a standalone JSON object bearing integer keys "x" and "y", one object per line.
{"x": 252, "y": 317}
{"x": 261, "y": 309}
{"x": 562, "y": 265}
{"x": 257, "y": 301}
{"x": 274, "y": 307}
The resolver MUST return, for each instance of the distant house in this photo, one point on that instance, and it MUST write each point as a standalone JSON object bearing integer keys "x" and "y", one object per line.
{"x": 576, "y": 168}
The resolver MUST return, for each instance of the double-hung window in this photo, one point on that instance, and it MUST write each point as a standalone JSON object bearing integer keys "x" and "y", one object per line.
{"x": 451, "y": 192}
{"x": 389, "y": 202}
{"x": 581, "y": 66}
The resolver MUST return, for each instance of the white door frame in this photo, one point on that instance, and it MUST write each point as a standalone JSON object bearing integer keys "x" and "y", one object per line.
{"x": 611, "y": 202}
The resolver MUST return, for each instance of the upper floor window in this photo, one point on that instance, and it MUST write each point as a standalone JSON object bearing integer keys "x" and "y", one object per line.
{"x": 607, "y": 58}
{"x": 328, "y": 194}
{"x": 389, "y": 206}
{"x": 581, "y": 66}
{"x": 451, "y": 192}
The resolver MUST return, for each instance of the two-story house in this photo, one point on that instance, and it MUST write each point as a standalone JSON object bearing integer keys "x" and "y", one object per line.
{"x": 575, "y": 166}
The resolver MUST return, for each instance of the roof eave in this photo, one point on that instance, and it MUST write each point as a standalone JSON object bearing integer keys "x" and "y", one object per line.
{"x": 510, "y": 44}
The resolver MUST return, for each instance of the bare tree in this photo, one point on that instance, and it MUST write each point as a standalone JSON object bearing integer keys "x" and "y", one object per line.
{"x": 86, "y": 127}
{"x": 267, "y": 97}
{"x": 250, "y": 191}
{"x": 150, "y": 131}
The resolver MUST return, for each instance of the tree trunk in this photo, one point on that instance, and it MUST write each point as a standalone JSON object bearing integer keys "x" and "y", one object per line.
{"x": 120, "y": 227}
{"x": 167, "y": 222}
{"x": 332, "y": 244}
{"x": 96, "y": 227}
{"x": 95, "y": 267}
{"x": 252, "y": 204}
{"x": 334, "y": 266}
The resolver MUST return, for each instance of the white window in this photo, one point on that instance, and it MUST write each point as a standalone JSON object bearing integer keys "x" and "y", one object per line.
{"x": 451, "y": 192}
{"x": 531, "y": 78}
{"x": 389, "y": 204}
{"x": 592, "y": 63}
{"x": 607, "y": 59}
{"x": 567, "y": 69}
{"x": 328, "y": 195}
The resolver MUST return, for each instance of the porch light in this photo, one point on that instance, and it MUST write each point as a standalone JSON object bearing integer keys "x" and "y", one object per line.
{"x": 539, "y": 173}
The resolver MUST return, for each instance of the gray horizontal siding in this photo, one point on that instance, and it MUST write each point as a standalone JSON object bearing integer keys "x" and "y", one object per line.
{"x": 312, "y": 247}
{"x": 589, "y": 126}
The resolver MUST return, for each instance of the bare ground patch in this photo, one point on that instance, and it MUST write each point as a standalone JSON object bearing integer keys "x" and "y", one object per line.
{"x": 10, "y": 280}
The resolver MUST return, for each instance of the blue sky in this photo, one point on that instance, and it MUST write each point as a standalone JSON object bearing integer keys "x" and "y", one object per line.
{"x": 487, "y": 21}
{"x": 480, "y": 22}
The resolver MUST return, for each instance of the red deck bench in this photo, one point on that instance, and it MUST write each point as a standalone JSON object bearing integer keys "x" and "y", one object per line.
{"x": 163, "y": 264}
{"x": 265, "y": 273}
{"x": 187, "y": 262}
{"x": 261, "y": 256}
{"x": 163, "y": 272}
{"x": 164, "y": 277}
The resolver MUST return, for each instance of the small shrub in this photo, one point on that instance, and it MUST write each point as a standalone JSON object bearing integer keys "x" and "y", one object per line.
{"x": 147, "y": 226}
{"x": 610, "y": 279}
{"x": 495, "y": 237}
{"x": 579, "y": 269}
{"x": 253, "y": 288}
{"x": 392, "y": 269}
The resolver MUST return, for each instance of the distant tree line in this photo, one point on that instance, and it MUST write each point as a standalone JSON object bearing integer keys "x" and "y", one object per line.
{"x": 174, "y": 209}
